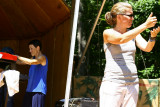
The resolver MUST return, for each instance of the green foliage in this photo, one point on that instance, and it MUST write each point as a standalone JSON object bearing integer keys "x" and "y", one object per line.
{"x": 68, "y": 2}
{"x": 147, "y": 72}
{"x": 96, "y": 60}
{"x": 142, "y": 9}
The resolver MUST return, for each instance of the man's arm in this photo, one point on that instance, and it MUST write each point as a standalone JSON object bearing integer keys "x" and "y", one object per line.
{"x": 40, "y": 60}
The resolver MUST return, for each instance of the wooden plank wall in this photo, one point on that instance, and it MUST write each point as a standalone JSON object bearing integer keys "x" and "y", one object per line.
{"x": 58, "y": 50}
{"x": 55, "y": 45}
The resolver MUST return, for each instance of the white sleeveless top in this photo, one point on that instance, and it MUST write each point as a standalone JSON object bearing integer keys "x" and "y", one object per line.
{"x": 120, "y": 62}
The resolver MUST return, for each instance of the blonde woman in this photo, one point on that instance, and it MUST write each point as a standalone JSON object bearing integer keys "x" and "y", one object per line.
{"x": 120, "y": 86}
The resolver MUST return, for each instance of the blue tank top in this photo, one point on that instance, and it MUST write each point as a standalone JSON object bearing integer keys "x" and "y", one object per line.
{"x": 37, "y": 78}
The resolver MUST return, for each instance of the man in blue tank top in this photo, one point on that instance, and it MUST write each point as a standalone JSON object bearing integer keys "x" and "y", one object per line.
{"x": 37, "y": 86}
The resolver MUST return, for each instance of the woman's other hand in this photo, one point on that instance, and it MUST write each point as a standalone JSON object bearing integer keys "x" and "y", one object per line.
{"x": 151, "y": 21}
{"x": 154, "y": 32}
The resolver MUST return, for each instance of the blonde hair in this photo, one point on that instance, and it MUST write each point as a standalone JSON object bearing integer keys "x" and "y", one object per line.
{"x": 118, "y": 8}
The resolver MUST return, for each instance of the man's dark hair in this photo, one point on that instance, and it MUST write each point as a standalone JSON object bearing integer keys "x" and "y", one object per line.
{"x": 35, "y": 43}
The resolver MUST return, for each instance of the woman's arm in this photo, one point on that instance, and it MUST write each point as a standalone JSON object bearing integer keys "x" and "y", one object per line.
{"x": 114, "y": 37}
{"x": 143, "y": 44}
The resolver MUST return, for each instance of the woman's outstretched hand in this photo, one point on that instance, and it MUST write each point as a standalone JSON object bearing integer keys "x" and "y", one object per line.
{"x": 155, "y": 31}
{"x": 151, "y": 21}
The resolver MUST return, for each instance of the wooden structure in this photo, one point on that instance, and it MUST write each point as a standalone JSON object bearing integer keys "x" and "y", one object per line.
{"x": 48, "y": 21}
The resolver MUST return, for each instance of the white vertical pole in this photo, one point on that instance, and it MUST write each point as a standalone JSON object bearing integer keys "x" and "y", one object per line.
{"x": 71, "y": 56}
